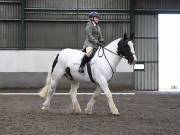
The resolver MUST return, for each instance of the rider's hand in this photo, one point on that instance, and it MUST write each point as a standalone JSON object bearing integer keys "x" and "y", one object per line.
{"x": 100, "y": 44}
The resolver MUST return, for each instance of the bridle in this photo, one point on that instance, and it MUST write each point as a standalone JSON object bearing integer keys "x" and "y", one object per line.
{"x": 104, "y": 48}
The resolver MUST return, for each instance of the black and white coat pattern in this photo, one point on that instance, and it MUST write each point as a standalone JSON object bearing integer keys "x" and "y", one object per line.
{"x": 101, "y": 72}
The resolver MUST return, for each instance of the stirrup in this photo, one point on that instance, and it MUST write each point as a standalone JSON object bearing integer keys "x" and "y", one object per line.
{"x": 81, "y": 70}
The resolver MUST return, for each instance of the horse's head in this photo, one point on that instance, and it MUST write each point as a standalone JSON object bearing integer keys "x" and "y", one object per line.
{"x": 126, "y": 49}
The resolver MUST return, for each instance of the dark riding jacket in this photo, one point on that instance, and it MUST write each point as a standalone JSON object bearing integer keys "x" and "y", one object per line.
{"x": 93, "y": 35}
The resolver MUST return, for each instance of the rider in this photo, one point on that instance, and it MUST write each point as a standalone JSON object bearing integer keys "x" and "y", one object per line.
{"x": 93, "y": 38}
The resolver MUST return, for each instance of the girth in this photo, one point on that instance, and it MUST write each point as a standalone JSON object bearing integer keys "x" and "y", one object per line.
{"x": 89, "y": 72}
{"x": 69, "y": 76}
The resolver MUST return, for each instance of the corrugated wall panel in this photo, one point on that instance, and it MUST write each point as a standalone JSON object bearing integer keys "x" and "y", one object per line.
{"x": 106, "y": 16}
{"x": 113, "y": 25}
{"x": 9, "y": 34}
{"x": 50, "y": 16}
{"x": 10, "y": 11}
{"x": 147, "y": 80}
{"x": 146, "y": 26}
{"x": 157, "y": 4}
{"x": 113, "y": 30}
{"x": 103, "y": 4}
{"x": 60, "y": 4}
{"x": 64, "y": 34}
{"x": 146, "y": 43}
{"x": 39, "y": 19}
{"x": 147, "y": 49}
{"x": 51, "y": 35}
{"x": 9, "y": 30}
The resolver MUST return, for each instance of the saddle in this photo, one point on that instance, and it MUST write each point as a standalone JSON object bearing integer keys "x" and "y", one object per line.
{"x": 91, "y": 61}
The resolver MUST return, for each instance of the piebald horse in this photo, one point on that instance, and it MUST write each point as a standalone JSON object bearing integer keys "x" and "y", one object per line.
{"x": 103, "y": 65}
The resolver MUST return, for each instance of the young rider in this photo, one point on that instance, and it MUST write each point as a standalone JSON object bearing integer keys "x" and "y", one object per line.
{"x": 93, "y": 38}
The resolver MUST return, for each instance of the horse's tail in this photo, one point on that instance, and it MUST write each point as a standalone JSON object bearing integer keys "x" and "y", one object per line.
{"x": 44, "y": 91}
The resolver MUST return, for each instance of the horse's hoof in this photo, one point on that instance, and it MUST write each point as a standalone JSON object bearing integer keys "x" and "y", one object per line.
{"x": 45, "y": 108}
{"x": 116, "y": 114}
{"x": 76, "y": 112}
{"x": 87, "y": 111}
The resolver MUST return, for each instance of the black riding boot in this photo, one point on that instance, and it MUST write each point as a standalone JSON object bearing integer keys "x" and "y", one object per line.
{"x": 84, "y": 60}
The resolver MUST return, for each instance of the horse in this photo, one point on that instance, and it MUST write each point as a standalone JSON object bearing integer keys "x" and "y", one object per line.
{"x": 103, "y": 65}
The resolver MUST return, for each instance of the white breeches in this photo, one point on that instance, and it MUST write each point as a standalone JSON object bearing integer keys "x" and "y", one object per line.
{"x": 89, "y": 51}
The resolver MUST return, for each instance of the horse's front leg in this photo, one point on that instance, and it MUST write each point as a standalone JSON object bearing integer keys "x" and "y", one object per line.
{"x": 104, "y": 86}
{"x": 92, "y": 101}
{"x": 73, "y": 94}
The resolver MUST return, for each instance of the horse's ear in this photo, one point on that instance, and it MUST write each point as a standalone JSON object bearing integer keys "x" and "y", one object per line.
{"x": 125, "y": 36}
{"x": 132, "y": 36}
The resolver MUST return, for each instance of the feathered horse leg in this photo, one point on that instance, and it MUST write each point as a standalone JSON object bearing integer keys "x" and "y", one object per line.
{"x": 51, "y": 89}
{"x": 54, "y": 75}
{"x": 92, "y": 101}
{"x": 73, "y": 94}
{"x": 44, "y": 91}
{"x": 104, "y": 86}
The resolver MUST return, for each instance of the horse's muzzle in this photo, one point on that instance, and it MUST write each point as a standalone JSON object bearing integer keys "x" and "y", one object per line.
{"x": 132, "y": 60}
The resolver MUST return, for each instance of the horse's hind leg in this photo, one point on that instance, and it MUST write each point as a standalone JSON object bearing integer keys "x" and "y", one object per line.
{"x": 73, "y": 94}
{"x": 54, "y": 80}
{"x": 92, "y": 101}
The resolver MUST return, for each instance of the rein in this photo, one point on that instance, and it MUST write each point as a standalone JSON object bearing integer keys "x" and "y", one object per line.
{"x": 110, "y": 51}
{"x": 107, "y": 58}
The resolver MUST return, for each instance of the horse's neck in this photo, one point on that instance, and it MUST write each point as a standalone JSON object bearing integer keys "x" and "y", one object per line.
{"x": 113, "y": 58}
{"x": 113, "y": 45}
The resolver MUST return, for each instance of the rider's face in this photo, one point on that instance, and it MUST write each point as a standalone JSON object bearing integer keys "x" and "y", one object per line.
{"x": 96, "y": 19}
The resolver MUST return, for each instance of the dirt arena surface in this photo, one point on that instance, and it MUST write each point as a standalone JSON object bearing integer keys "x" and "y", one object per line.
{"x": 141, "y": 114}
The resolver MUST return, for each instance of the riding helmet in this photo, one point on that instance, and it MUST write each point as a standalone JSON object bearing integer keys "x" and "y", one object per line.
{"x": 93, "y": 14}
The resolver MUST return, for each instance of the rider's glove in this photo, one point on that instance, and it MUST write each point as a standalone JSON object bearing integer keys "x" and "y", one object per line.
{"x": 100, "y": 44}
